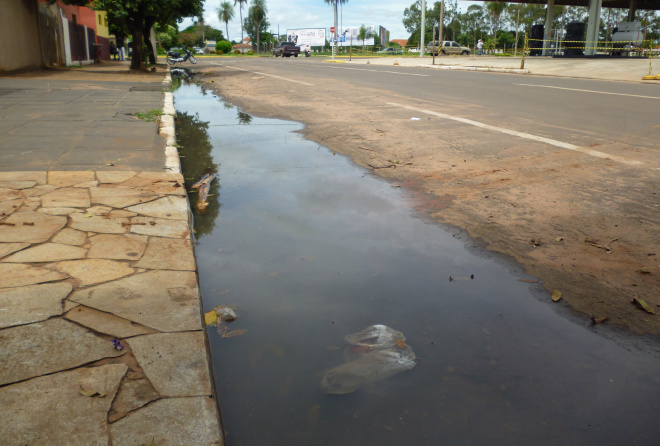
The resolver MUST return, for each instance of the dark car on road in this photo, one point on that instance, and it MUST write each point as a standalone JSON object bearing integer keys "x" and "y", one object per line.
{"x": 390, "y": 50}
{"x": 286, "y": 49}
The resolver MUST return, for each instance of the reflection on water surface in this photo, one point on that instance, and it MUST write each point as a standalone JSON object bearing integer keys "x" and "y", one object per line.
{"x": 308, "y": 248}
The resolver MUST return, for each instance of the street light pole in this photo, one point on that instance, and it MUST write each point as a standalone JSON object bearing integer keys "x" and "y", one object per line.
{"x": 334, "y": 47}
{"x": 421, "y": 46}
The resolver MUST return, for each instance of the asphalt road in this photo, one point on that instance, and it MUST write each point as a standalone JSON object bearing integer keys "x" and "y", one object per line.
{"x": 579, "y": 112}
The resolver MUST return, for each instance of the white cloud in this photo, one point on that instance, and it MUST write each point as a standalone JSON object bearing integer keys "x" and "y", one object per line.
{"x": 318, "y": 14}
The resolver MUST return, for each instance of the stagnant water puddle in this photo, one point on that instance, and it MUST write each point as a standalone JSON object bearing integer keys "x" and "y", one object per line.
{"x": 307, "y": 248}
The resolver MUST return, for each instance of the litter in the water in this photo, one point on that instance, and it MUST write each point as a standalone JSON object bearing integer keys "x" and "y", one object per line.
{"x": 374, "y": 354}
{"x": 225, "y": 313}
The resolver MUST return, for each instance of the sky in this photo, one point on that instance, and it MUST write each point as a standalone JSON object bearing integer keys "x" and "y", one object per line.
{"x": 318, "y": 14}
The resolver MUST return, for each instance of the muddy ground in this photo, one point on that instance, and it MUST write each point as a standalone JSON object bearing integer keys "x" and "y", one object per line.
{"x": 584, "y": 226}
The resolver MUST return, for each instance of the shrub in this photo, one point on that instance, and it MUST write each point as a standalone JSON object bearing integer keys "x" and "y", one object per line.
{"x": 223, "y": 47}
{"x": 250, "y": 52}
{"x": 237, "y": 52}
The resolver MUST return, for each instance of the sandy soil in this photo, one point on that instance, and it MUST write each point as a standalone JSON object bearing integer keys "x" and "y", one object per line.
{"x": 584, "y": 226}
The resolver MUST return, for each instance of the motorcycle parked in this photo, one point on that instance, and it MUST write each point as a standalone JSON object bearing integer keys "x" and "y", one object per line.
{"x": 173, "y": 57}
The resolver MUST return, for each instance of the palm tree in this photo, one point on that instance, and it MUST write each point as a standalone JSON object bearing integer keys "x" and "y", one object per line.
{"x": 240, "y": 9}
{"x": 364, "y": 34}
{"x": 495, "y": 10}
{"x": 334, "y": 4}
{"x": 258, "y": 12}
{"x": 225, "y": 14}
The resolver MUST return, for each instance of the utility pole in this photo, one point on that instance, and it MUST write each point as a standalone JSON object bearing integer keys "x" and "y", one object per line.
{"x": 517, "y": 27}
{"x": 421, "y": 41}
{"x": 441, "y": 24}
{"x": 432, "y": 41}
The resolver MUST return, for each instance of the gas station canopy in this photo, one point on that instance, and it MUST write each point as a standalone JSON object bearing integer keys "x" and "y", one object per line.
{"x": 625, "y": 4}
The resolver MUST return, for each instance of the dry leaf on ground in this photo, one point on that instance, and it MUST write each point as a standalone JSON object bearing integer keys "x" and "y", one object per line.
{"x": 556, "y": 295}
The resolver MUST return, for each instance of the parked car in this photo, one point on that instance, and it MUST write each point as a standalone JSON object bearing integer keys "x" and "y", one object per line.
{"x": 286, "y": 49}
{"x": 198, "y": 50}
{"x": 390, "y": 50}
{"x": 448, "y": 47}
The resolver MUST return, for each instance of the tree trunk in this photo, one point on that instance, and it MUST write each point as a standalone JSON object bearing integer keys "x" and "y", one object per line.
{"x": 240, "y": 10}
{"x": 258, "y": 24}
{"x": 148, "y": 24}
{"x": 136, "y": 44}
{"x": 135, "y": 22}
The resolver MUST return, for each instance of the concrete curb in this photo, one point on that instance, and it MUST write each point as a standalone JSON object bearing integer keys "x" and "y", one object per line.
{"x": 167, "y": 130}
{"x": 449, "y": 67}
{"x": 488, "y": 69}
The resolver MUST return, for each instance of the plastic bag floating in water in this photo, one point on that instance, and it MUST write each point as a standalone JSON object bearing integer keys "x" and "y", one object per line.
{"x": 374, "y": 354}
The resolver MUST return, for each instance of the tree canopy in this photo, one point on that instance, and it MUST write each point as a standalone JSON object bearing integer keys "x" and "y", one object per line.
{"x": 197, "y": 33}
{"x": 139, "y": 16}
{"x": 250, "y": 27}
{"x": 257, "y": 13}
{"x": 225, "y": 14}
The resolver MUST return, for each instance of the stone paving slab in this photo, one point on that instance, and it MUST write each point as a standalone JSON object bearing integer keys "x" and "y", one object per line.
{"x": 106, "y": 323}
{"x": 27, "y": 304}
{"x": 93, "y": 271}
{"x": 172, "y": 421}
{"x": 164, "y": 300}
{"x": 186, "y": 374}
{"x": 117, "y": 246}
{"x": 46, "y": 347}
{"x": 168, "y": 253}
{"x": 90, "y": 258}
{"x": 28, "y": 409}
{"x": 30, "y": 227}
{"x": 18, "y": 275}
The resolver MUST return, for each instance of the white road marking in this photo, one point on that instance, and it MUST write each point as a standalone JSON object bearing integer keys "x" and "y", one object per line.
{"x": 553, "y": 142}
{"x": 264, "y": 74}
{"x": 375, "y": 71}
{"x": 591, "y": 91}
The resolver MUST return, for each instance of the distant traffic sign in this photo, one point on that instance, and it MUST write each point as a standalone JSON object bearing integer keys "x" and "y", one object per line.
{"x": 332, "y": 29}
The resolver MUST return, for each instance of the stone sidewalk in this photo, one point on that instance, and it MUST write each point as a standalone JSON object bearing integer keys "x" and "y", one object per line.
{"x": 101, "y": 328}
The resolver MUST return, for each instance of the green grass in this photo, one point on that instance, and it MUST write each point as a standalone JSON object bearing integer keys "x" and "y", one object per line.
{"x": 151, "y": 115}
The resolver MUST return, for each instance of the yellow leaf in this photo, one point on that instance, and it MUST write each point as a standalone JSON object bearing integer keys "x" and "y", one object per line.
{"x": 400, "y": 343}
{"x": 643, "y": 305}
{"x": 556, "y": 295}
{"x": 91, "y": 393}
{"x": 211, "y": 318}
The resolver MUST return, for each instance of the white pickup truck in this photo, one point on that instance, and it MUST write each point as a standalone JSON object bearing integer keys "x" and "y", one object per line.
{"x": 448, "y": 47}
{"x": 627, "y": 37}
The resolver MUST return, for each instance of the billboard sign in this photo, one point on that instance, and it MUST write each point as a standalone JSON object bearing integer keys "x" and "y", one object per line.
{"x": 348, "y": 36}
{"x": 383, "y": 35}
{"x": 306, "y": 36}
